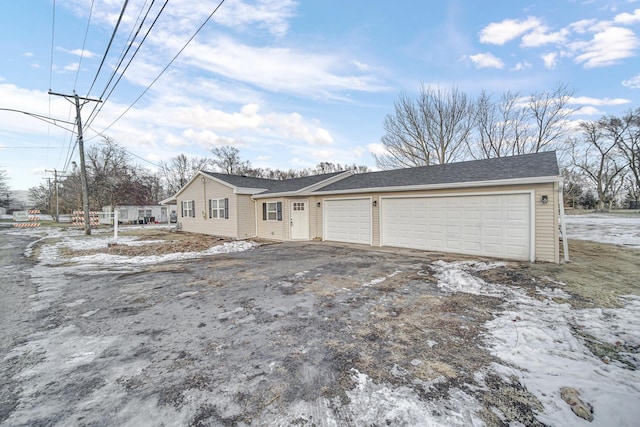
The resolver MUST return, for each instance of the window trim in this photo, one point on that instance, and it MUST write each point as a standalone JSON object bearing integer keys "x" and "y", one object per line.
{"x": 188, "y": 209}
{"x": 221, "y": 210}
{"x": 266, "y": 211}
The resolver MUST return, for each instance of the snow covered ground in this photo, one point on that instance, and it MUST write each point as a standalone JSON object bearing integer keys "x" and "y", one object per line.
{"x": 540, "y": 340}
{"x": 535, "y": 340}
{"x": 616, "y": 230}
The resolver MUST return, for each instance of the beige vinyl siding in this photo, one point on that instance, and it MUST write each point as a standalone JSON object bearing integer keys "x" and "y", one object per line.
{"x": 201, "y": 193}
{"x": 546, "y": 216}
{"x": 246, "y": 216}
{"x": 315, "y": 218}
{"x": 276, "y": 230}
{"x": 547, "y": 233}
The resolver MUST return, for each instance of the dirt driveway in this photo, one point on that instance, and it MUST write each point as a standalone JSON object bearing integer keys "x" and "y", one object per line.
{"x": 279, "y": 334}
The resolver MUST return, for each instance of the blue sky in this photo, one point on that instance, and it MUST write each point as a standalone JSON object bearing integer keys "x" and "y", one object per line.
{"x": 293, "y": 83}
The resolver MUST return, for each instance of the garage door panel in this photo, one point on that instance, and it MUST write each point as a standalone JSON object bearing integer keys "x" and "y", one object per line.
{"x": 494, "y": 225}
{"x": 348, "y": 220}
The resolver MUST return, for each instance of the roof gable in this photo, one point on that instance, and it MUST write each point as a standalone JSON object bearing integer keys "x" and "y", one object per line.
{"x": 497, "y": 169}
{"x": 298, "y": 184}
{"x": 241, "y": 181}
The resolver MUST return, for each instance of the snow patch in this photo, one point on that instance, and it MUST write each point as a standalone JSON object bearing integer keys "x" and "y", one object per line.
{"x": 543, "y": 343}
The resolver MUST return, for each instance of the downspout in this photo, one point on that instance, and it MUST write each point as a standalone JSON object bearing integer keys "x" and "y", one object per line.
{"x": 255, "y": 216}
{"x": 204, "y": 198}
{"x": 563, "y": 228}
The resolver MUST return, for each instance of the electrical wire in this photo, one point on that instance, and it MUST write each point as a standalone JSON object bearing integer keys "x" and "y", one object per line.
{"x": 53, "y": 30}
{"x": 69, "y": 144}
{"x": 113, "y": 35}
{"x": 98, "y": 107}
{"x": 84, "y": 43}
{"x": 46, "y": 119}
{"x": 165, "y": 68}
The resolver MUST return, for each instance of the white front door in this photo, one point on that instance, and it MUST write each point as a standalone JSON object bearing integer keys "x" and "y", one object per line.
{"x": 299, "y": 220}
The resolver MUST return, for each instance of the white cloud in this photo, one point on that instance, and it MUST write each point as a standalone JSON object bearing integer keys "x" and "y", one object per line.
{"x": 583, "y": 26}
{"x": 377, "y": 148}
{"x": 276, "y": 69}
{"x": 208, "y": 139}
{"x": 28, "y": 54}
{"x": 607, "y": 47}
{"x": 628, "y": 18}
{"x": 35, "y": 65}
{"x": 521, "y": 66}
{"x": 186, "y": 15}
{"x": 360, "y": 65}
{"x": 632, "y": 83}
{"x": 502, "y": 32}
{"x": 72, "y": 67}
{"x": 272, "y": 15}
{"x": 293, "y": 126}
{"x": 550, "y": 60}
{"x": 586, "y": 100}
{"x": 486, "y": 60}
{"x": 79, "y": 52}
{"x": 589, "y": 111}
{"x": 540, "y": 37}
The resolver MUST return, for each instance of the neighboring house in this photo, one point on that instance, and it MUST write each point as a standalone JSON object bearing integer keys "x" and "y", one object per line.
{"x": 505, "y": 207}
{"x": 137, "y": 214}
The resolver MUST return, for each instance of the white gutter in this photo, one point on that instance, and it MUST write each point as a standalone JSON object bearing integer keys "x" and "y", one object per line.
{"x": 466, "y": 184}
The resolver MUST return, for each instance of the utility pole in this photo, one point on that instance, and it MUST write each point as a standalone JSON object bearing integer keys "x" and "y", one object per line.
{"x": 55, "y": 182}
{"x": 83, "y": 170}
{"x": 49, "y": 204}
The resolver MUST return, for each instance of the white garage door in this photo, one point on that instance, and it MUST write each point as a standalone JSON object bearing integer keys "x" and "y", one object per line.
{"x": 348, "y": 220}
{"x": 489, "y": 225}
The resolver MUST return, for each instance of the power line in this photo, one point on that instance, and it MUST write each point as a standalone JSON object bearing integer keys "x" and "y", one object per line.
{"x": 98, "y": 107}
{"x": 129, "y": 152}
{"x": 165, "y": 68}
{"x": 53, "y": 30}
{"x": 84, "y": 43}
{"x": 113, "y": 35}
{"x": 46, "y": 119}
{"x": 28, "y": 148}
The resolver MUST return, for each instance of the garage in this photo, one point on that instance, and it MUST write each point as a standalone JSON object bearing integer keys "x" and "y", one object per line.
{"x": 348, "y": 220}
{"x": 494, "y": 225}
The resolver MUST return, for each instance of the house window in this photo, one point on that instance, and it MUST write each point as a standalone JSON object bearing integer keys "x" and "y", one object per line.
{"x": 298, "y": 206}
{"x": 219, "y": 208}
{"x": 272, "y": 211}
{"x": 188, "y": 208}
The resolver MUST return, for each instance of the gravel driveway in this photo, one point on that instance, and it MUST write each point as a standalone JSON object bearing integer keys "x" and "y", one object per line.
{"x": 280, "y": 334}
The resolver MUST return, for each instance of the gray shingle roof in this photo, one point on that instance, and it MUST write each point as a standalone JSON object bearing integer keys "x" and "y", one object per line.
{"x": 524, "y": 166}
{"x": 242, "y": 181}
{"x": 272, "y": 185}
{"x": 295, "y": 184}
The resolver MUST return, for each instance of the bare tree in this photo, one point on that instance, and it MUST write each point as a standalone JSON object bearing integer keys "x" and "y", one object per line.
{"x": 433, "y": 129}
{"x": 41, "y": 197}
{"x": 598, "y": 158}
{"x": 114, "y": 180}
{"x": 549, "y": 112}
{"x": 180, "y": 169}
{"x": 521, "y": 125}
{"x": 625, "y": 131}
{"x": 6, "y": 196}
{"x": 227, "y": 160}
{"x": 498, "y": 125}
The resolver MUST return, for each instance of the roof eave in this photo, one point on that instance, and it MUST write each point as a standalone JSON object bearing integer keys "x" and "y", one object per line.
{"x": 309, "y": 189}
{"x": 168, "y": 201}
{"x": 466, "y": 184}
{"x": 248, "y": 190}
